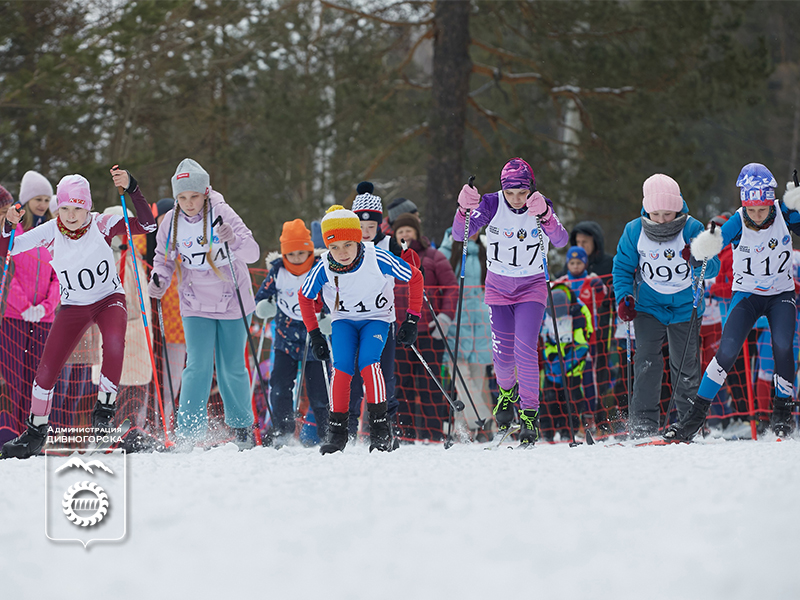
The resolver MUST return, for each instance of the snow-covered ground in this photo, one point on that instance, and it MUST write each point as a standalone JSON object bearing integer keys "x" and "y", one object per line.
{"x": 716, "y": 520}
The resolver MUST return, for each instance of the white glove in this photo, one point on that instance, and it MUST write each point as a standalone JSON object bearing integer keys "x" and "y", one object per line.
{"x": 325, "y": 324}
{"x": 266, "y": 309}
{"x": 444, "y": 321}
{"x": 792, "y": 196}
{"x": 225, "y": 233}
{"x": 34, "y": 314}
{"x": 707, "y": 245}
{"x": 154, "y": 290}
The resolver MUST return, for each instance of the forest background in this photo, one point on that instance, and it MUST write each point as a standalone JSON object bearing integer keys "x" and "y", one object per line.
{"x": 289, "y": 104}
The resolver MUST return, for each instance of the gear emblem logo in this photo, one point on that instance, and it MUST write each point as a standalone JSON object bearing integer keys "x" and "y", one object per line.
{"x": 94, "y": 506}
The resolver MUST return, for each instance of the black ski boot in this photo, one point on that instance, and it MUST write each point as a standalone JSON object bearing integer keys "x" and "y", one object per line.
{"x": 243, "y": 437}
{"x": 29, "y": 443}
{"x": 380, "y": 435}
{"x": 104, "y": 411}
{"x": 504, "y": 409}
{"x": 396, "y": 433}
{"x": 337, "y": 433}
{"x": 685, "y": 429}
{"x": 528, "y": 427}
{"x": 782, "y": 421}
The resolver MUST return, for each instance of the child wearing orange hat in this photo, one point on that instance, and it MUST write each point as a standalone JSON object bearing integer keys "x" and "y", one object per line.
{"x": 286, "y": 275}
{"x": 356, "y": 280}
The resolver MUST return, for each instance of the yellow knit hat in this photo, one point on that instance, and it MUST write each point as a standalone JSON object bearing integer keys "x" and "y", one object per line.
{"x": 340, "y": 225}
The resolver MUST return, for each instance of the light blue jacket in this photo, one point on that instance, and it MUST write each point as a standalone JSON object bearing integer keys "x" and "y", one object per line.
{"x": 475, "y": 339}
{"x": 667, "y": 308}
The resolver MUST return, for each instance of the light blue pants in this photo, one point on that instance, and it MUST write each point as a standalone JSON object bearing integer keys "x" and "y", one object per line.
{"x": 210, "y": 343}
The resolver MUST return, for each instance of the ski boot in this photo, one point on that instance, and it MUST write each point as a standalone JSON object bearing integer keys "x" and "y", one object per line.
{"x": 504, "y": 410}
{"x": 528, "y": 427}
{"x": 29, "y": 443}
{"x": 104, "y": 410}
{"x": 380, "y": 435}
{"x": 243, "y": 437}
{"x": 782, "y": 421}
{"x": 395, "y": 432}
{"x": 685, "y": 429}
{"x": 337, "y": 433}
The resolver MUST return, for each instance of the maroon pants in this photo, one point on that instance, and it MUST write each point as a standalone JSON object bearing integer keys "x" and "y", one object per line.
{"x": 71, "y": 322}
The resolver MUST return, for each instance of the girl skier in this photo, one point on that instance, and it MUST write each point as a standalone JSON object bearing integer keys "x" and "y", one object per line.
{"x": 762, "y": 285}
{"x": 516, "y": 290}
{"x": 193, "y": 238}
{"x": 80, "y": 244}
{"x": 357, "y": 283}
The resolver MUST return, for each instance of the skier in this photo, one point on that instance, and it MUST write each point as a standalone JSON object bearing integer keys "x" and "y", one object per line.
{"x": 762, "y": 285}
{"x": 80, "y": 244}
{"x": 356, "y": 279}
{"x": 281, "y": 288}
{"x": 516, "y": 289}
{"x": 194, "y": 238}
{"x": 653, "y": 283}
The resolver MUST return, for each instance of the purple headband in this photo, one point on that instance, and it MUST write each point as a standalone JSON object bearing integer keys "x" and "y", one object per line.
{"x": 517, "y": 174}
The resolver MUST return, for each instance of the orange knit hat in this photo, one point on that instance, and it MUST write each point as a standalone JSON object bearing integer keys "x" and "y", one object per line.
{"x": 295, "y": 236}
{"x": 340, "y": 225}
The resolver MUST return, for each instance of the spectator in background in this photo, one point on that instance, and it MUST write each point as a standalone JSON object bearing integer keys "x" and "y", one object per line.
{"x": 475, "y": 336}
{"x": 412, "y": 379}
{"x": 397, "y": 207}
{"x": 31, "y": 296}
{"x": 589, "y": 236}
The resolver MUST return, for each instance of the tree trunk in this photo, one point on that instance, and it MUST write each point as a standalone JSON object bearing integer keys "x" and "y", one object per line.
{"x": 451, "y": 70}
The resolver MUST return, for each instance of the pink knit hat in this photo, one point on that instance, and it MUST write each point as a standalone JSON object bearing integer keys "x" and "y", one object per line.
{"x": 661, "y": 193}
{"x": 73, "y": 190}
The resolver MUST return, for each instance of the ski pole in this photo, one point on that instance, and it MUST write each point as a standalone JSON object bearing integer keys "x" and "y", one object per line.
{"x": 17, "y": 206}
{"x": 589, "y": 438}
{"x": 628, "y": 366}
{"x": 164, "y": 343}
{"x": 256, "y": 359}
{"x": 167, "y": 441}
{"x": 298, "y": 386}
{"x": 436, "y": 381}
{"x": 250, "y": 342}
{"x": 698, "y": 294}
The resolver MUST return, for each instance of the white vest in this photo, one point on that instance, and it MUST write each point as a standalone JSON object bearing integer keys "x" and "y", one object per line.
{"x": 661, "y": 264}
{"x": 762, "y": 262}
{"x": 384, "y": 243}
{"x": 287, "y": 286}
{"x": 364, "y": 294}
{"x": 193, "y": 253}
{"x": 85, "y": 267}
{"x": 513, "y": 243}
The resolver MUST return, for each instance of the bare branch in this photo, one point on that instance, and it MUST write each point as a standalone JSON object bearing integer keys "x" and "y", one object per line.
{"x": 512, "y": 78}
{"x": 374, "y": 17}
{"x": 505, "y": 53}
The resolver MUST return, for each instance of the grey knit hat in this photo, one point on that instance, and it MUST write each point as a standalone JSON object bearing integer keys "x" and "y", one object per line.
{"x": 190, "y": 177}
{"x": 400, "y": 206}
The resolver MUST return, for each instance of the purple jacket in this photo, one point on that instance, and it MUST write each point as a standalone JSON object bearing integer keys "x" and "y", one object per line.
{"x": 203, "y": 293}
{"x": 32, "y": 281}
{"x": 502, "y": 290}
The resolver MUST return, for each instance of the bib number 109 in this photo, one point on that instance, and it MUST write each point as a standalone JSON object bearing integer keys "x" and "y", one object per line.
{"x": 86, "y": 278}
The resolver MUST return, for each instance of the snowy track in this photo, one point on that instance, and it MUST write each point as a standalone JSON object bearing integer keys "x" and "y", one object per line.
{"x": 716, "y": 520}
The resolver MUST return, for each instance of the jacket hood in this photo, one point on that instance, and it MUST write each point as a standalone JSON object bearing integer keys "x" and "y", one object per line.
{"x": 593, "y": 229}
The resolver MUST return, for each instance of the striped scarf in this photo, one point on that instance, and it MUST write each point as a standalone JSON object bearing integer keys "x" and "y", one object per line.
{"x": 73, "y": 235}
{"x": 340, "y": 268}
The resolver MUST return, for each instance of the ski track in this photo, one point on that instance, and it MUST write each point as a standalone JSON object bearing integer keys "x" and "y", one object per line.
{"x": 715, "y": 520}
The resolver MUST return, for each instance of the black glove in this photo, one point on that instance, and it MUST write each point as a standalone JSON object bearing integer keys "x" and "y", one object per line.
{"x": 407, "y": 334}
{"x": 319, "y": 345}
{"x": 132, "y": 184}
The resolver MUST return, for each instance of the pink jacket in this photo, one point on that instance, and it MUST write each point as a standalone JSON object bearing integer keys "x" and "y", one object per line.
{"x": 203, "y": 293}
{"x": 31, "y": 281}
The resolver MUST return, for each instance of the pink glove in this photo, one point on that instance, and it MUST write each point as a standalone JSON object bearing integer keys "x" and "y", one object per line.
{"x": 469, "y": 197}
{"x": 225, "y": 233}
{"x": 539, "y": 206}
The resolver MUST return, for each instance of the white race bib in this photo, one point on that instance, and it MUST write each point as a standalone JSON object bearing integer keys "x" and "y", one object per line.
{"x": 513, "y": 247}
{"x": 762, "y": 262}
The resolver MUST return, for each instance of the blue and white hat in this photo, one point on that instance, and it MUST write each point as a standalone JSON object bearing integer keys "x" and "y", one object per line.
{"x": 757, "y": 185}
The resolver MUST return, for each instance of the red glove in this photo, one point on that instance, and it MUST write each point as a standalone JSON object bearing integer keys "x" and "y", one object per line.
{"x": 627, "y": 309}
{"x": 411, "y": 257}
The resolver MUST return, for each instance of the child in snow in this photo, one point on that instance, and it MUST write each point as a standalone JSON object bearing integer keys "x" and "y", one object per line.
{"x": 281, "y": 288}
{"x": 357, "y": 283}
{"x": 31, "y": 299}
{"x": 575, "y": 330}
{"x": 653, "y": 282}
{"x": 80, "y": 244}
{"x": 194, "y": 238}
{"x": 762, "y": 285}
{"x": 516, "y": 289}
{"x": 369, "y": 209}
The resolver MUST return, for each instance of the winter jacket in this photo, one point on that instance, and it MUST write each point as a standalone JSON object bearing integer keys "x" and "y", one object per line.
{"x": 667, "y": 308}
{"x": 590, "y": 290}
{"x": 440, "y": 287}
{"x": 204, "y": 293}
{"x": 290, "y": 334}
{"x": 475, "y": 338}
{"x": 575, "y": 330}
{"x": 31, "y": 281}
{"x": 600, "y": 263}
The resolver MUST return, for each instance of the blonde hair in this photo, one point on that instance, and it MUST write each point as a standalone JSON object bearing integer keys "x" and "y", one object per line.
{"x": 205, "y": 239}
{"x": 27, "y": 218}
